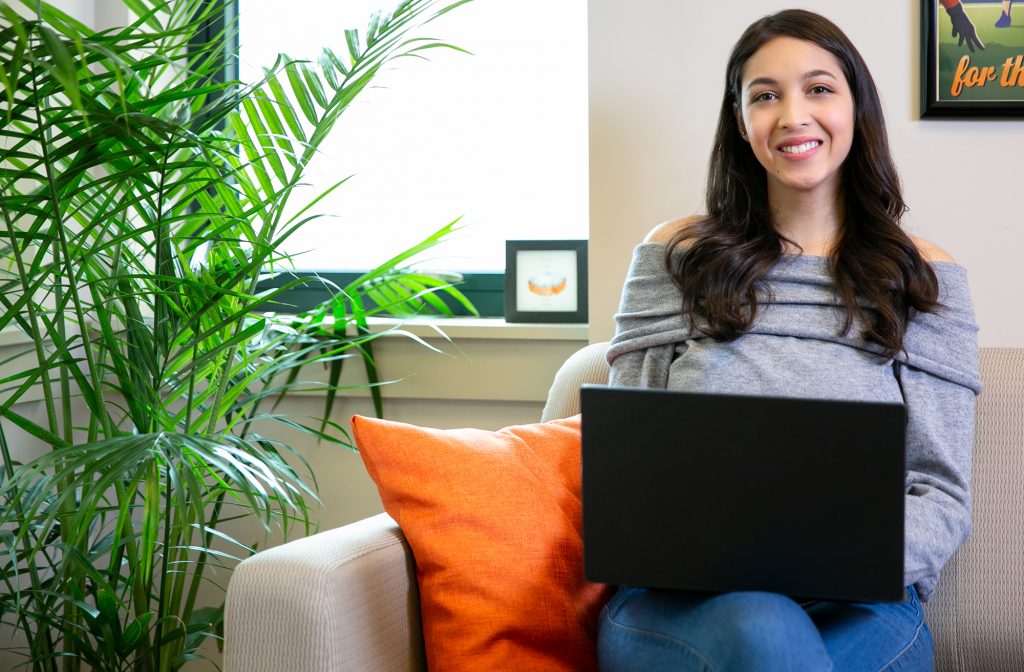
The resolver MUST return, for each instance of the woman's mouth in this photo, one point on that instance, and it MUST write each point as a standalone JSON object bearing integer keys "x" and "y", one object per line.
{"x": 802, "y": 148}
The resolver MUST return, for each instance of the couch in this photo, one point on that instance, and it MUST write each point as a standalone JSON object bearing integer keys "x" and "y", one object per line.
{"x": 346, "y": 599}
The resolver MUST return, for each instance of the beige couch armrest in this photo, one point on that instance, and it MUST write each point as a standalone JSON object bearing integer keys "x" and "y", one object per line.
{"x": 341, "y": 600}
{"x": 587, "y": 365}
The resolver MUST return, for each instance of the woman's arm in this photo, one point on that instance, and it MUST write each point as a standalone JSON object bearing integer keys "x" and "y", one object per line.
{"x": 649, "y": 322}
{"x": 938, "y": 375}
{"x": 940, "y": 441}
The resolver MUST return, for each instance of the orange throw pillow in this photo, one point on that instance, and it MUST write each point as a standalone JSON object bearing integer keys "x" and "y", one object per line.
{"x": 494, "y": 522}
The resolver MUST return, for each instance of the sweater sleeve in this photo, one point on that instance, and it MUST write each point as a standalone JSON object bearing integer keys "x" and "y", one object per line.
{"x": 648, "y": 324}
{"x": 939, "y": 379}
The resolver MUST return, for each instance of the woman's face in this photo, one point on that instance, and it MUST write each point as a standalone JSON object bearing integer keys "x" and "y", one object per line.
{"x": 796, "y": 110}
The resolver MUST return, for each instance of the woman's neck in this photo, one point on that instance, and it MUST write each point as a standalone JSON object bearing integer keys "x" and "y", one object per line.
{"x": 808, "y": 218}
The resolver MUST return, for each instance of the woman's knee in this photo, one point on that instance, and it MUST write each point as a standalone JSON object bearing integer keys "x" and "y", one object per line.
{"x": 742, "y": 630}
{"x": 637, "y": 633}
{"x": 767, "y": 631}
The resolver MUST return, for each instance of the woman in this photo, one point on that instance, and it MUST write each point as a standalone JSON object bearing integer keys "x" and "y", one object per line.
{"x": 799, "y": 281}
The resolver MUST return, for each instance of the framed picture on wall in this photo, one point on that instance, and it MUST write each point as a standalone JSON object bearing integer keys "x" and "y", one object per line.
{"x": 546, "y": 281}
{"x": 972, "y": 58}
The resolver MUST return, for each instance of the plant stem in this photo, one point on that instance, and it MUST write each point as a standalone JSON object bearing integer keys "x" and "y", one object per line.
{"x": 169, "y": 517}
{"x": 197, "y": 576}
{"x": 8, "y": 467}
{"x": 159, "y": 293}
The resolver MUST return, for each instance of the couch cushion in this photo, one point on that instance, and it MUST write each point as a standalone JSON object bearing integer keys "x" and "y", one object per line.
{"x": 494, "y": 523}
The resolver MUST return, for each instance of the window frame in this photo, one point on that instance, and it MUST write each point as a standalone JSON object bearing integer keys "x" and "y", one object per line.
{"x": 485, "y": 290}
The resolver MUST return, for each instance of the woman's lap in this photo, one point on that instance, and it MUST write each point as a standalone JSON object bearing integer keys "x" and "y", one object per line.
{"x": 672, "y": 630}
{"x": 891, "y": 637}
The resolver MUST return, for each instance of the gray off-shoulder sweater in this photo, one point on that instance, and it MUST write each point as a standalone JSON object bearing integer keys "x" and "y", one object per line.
{"x": 795, "y": 348}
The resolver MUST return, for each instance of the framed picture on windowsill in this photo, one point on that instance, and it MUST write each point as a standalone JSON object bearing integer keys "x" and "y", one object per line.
{"x": 972, "y": 58}
{"x": 546, "y": 281}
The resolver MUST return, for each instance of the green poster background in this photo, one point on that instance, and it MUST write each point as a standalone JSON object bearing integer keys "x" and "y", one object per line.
{"x": 1000, "y": 44}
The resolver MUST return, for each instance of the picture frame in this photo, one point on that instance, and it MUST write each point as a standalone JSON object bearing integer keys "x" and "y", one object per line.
{"x": 546, "y": 281}
{"x": 979, "y": 72}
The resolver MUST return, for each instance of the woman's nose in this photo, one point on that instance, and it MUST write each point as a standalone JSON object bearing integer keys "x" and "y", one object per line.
{"x": 793, "y": 113}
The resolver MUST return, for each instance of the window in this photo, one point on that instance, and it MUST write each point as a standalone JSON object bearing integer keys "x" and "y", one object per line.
{"x": 498, "y": 137}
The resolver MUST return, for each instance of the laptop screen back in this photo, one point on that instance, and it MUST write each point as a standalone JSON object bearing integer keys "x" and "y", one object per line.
{"x": 720, "y": 493}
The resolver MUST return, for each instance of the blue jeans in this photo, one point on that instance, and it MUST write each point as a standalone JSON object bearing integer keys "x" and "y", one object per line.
{"x": 661, "y": 630}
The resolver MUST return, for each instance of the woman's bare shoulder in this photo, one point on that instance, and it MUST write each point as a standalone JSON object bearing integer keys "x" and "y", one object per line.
{"x": 930, "y": 251}
{"x": 666, "y": 231}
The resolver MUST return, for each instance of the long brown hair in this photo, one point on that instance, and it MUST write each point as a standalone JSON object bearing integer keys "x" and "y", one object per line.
{"x": 727, "y": 253}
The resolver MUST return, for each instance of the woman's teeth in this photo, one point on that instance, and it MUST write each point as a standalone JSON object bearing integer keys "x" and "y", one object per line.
{"x": 800, "y": 149}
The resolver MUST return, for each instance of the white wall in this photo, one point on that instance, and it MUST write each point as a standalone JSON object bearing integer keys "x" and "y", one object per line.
{"x": 657, "y": 71}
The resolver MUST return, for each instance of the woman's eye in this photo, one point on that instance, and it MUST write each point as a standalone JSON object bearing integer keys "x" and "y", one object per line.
{"x": 764, "y": 95}
{"x": 819, "y": 89}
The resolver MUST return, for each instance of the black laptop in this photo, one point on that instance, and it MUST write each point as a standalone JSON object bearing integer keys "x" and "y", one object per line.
{"x": 722, "y": 492}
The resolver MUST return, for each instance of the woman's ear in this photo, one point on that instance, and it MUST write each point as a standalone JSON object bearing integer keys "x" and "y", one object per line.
{"x": 739, "y": 121}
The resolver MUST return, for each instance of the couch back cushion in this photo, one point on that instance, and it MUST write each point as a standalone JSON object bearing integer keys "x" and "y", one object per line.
{"x": 494, "y": 523}
{"x": 975, "y": 613}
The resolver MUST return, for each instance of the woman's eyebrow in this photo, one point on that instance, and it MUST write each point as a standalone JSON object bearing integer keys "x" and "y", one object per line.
{"x": 810, "y": 74}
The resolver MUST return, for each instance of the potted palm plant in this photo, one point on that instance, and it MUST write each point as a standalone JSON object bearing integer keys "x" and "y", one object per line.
{"x": 141, "y": 203}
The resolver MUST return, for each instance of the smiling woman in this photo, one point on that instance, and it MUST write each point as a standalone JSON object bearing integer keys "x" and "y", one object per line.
{"x": 843, "y": 201}
{"x": 799, "y": 281}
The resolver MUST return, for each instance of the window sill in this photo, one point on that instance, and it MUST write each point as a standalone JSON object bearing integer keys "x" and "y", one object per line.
{"x": 493, "y": 328}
